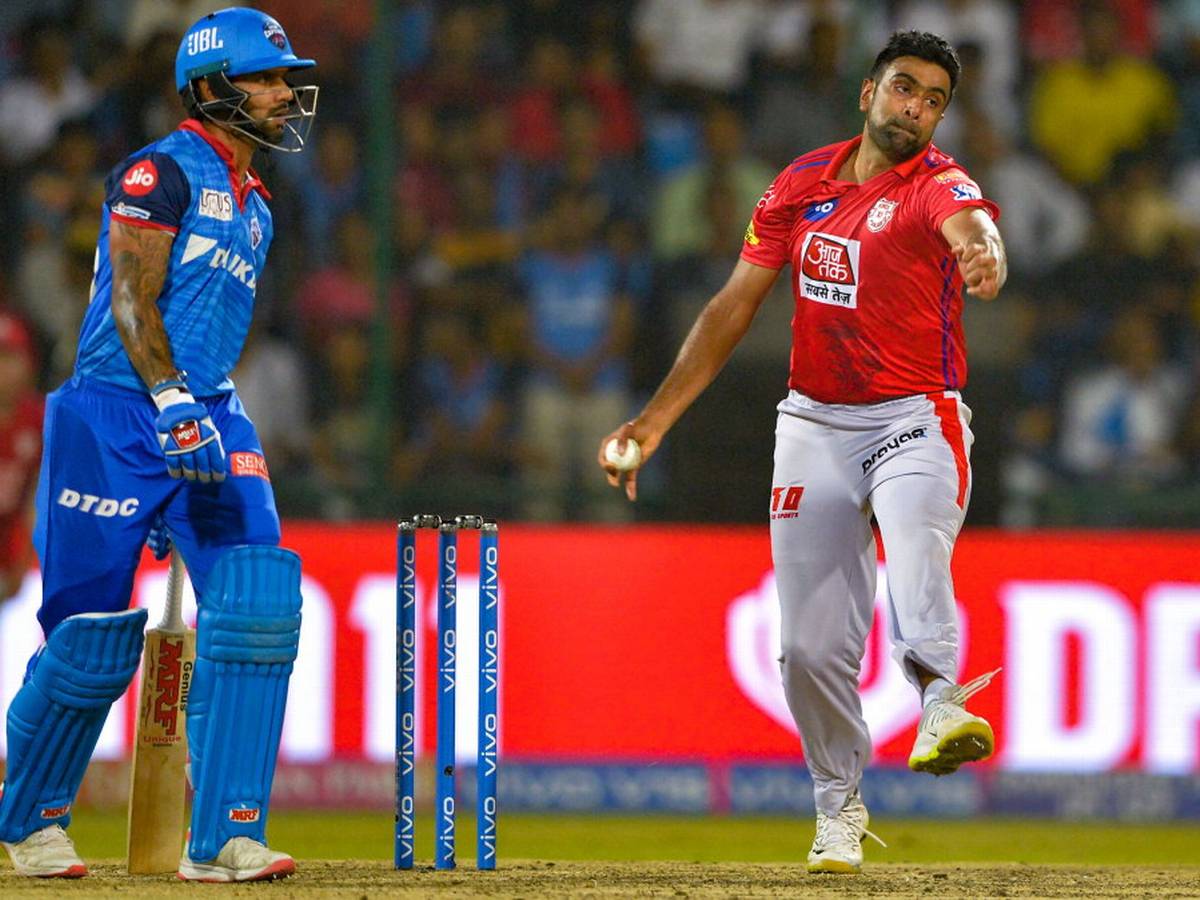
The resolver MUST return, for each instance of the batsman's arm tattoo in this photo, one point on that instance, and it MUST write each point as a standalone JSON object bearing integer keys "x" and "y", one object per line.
{"x": 139, "y": 263}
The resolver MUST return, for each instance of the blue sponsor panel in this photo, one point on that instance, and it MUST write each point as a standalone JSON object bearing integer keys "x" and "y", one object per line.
{"x": 899, "y": 792}
{"x": 1134, "y": 796}
{"x": 787, "y": 788}
{"x": 536, "y": 787}
{"x": 779, "y": 788}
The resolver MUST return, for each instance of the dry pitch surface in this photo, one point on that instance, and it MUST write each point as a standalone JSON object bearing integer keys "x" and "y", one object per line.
{"x": 531, "y": 878}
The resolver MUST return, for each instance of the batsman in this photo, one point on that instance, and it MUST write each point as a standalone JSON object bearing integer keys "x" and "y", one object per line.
{"x": 149, "y": 429}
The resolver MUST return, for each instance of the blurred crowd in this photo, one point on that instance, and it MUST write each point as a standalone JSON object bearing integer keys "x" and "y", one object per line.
{"x": 553, "y": 186}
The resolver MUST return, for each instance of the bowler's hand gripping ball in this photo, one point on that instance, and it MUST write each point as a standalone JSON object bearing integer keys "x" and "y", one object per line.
{"x": 623, "y": 462}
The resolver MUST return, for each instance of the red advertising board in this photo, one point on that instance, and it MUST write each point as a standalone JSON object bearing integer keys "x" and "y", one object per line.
{"x": 661, "y": 642}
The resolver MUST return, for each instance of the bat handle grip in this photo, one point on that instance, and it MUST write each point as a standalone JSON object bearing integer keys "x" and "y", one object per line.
{"x": 172, "y": 619}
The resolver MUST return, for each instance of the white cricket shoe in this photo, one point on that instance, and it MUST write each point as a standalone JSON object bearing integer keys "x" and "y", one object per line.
{"x": 241, "y": 859}
{"x": 948, "y": 735}
{"x": 837, "y": 848}
{"x": 47, "y": 853}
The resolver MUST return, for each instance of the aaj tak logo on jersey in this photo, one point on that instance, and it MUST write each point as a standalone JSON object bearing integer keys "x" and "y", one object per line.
{"x": 828, "y": 270}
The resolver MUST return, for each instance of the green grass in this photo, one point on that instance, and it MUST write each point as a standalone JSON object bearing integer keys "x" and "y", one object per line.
{"x": 101, "y": 835}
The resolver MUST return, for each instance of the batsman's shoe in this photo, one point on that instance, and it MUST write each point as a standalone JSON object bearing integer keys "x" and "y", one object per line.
{"x": 241, "y": 859}
{"x": 47, "y": 853}
{"x": 948, "y": 735}
{"x": 837, "y": 848}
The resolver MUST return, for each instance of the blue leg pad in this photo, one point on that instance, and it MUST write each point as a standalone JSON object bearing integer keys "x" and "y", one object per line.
{"x": 55, "y": 719}
{"x": 246, "y": 641}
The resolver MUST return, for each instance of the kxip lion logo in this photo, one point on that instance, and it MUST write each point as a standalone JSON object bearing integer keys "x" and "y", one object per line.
{"x": 881, "y": 214}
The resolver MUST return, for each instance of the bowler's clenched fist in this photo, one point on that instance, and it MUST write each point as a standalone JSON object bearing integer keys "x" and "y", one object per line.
{"x": 979, "y": 261}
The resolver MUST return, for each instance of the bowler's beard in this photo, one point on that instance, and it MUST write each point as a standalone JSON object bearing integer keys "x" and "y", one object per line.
{"x": 898, "y": 144}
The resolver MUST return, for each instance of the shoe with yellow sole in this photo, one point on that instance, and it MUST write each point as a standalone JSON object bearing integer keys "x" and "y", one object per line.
{"x": 948, "y": 735}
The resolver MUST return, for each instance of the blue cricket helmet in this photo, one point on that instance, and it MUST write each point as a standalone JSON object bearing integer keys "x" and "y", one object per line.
{"x": 236, "y": 41}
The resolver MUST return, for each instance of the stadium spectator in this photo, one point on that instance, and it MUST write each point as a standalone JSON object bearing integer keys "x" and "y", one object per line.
{"x": 1083, "y": 295}
{"x": 585, "y": 167}
{"x": 786, "y": 119}
{"x": 462, "y": 443}
{"x": 698, "y": 49}
{"x": 459, "y": 77}
{"x": 1154, "y": 220}
{"x": 422, "y": 182}
{"x": 54, "y": 269}
{"x": 1045, "y": 220}
{"x": 145, "y": 19}
{"x": 273, "y": 384}
{"x": 679, "y": 227}
{"x": 579, "y": 329}
{"x": 1052, "y": 30}
{"x": 861, "y": 25}
{"x": 1120, "y": 421}
{"x": 345, "y": 292}
{"x": 337, "y": 31}
{"x": 1071, "y": 116}
{"x": 53, "y": 90}
{"x": 20, "y": 451}
{"x": 480, "y": 240}
{"x": 537, "y": 105}
{"x": 603, "y": 81}
{"x": 54, "y": 286}
{"x": 344, "y": 426}
{"x": 330, "y": 190}
{"x": 148, "y": 106}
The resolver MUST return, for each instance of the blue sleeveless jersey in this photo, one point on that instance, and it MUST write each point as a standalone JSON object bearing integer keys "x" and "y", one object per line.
{"x": 183, "y": 184}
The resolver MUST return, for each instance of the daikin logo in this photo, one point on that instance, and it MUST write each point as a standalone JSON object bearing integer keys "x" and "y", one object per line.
{"x": 199, "y": 246}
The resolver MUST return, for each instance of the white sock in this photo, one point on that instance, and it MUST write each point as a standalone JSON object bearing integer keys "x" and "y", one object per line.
{"x": 933, "y": 691}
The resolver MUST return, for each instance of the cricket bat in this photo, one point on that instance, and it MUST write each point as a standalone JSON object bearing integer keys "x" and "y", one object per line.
{"x": 157, "y": 783}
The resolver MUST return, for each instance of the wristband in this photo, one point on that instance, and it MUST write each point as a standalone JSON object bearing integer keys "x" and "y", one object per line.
{"x": 170, "y": 391}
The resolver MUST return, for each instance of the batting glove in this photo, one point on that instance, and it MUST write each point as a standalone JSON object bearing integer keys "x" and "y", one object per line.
{"x": 159, "y": 538}
{"x": 189, "y": 439}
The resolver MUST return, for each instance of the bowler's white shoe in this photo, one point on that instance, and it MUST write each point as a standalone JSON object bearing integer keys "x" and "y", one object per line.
{"x": 241, "y": 859}
{"x": 837, "y": 848}
{"x": 948, "y": 735}
{"x": 48, "y": 853}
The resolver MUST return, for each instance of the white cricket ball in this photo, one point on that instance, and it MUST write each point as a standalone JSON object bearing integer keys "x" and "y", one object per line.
{"x": 623, "y": 462}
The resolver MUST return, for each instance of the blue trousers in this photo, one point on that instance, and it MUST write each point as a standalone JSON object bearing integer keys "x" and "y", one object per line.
{"x": 103, "y": 480}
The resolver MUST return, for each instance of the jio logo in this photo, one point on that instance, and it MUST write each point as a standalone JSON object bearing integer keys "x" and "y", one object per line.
{"x": 141, "y": 178}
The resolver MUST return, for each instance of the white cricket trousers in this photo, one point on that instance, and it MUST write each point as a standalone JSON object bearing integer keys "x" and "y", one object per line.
{"x": 906, "y": 461}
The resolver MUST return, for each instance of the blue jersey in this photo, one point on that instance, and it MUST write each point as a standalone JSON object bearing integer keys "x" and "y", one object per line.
{"x": 184, "y": 184}
{"x": 572, "y": 302}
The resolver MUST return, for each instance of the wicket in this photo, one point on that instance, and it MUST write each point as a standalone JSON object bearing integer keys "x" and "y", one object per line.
{"x": 487, "y": 760}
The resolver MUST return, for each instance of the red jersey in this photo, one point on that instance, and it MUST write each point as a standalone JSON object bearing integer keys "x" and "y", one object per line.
{"x": 878, "y": 292}
{"x": 20, "y": 453}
